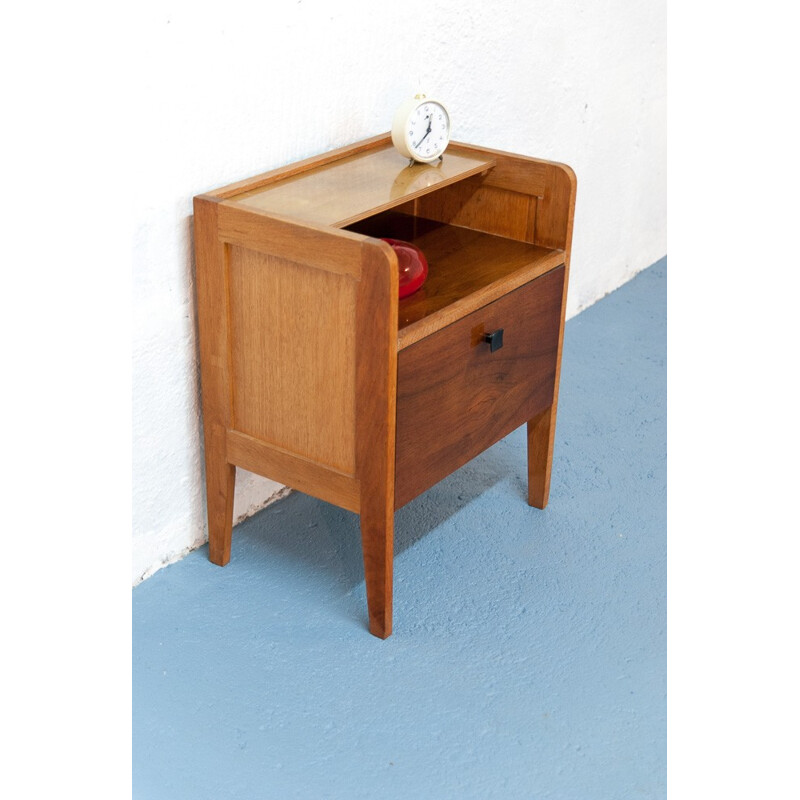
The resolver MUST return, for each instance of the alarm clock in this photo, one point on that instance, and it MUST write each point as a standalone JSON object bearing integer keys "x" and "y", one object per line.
{"x": 421, "y": 129}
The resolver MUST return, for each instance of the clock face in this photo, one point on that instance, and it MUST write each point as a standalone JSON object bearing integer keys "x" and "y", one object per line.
{"x": 427, "y": 131}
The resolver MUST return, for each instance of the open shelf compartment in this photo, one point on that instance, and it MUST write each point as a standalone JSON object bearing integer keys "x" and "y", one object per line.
{"x": 467, "y": 269}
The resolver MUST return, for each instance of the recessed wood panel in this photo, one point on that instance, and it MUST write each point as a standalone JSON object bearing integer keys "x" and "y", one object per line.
{"x": 293, "y": 356}
{"x": 455, "y": 397}
{"x": 472, "y": 204}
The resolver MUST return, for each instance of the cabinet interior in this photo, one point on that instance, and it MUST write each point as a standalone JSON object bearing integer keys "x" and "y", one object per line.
{"x": 466, "y": 268}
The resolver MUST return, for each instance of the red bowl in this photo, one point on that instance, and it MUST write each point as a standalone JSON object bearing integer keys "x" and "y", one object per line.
{"x": 412, "y": 263}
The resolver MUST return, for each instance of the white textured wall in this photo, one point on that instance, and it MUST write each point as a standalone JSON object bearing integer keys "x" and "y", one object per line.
{"x": 227, "y": 91}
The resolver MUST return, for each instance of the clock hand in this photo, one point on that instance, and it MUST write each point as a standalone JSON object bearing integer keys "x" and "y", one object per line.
{"x": 430, "y": 125}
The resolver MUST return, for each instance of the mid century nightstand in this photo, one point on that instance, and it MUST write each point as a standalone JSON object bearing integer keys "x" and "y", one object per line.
{"x": 315, "y": 375}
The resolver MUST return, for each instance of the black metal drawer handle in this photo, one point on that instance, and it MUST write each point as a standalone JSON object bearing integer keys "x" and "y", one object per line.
{"x": 495, "y": 339}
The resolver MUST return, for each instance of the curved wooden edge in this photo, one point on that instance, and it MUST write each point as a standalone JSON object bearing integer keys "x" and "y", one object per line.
{"x": 525, "y": 174}
{"x": 376, "y": 398}
{"x": 505, "y": 154}
{"x": 556, "y": 212}
{"x": 553, "y": 228}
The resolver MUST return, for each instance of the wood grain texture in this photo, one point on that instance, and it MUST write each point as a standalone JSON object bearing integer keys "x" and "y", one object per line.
{"x": 357, "y": 186}
{"x": 513, "y": 172}
{"x": 304, "y": 165}
{"x": 479, "y": 206}
{"x": 376, "y": 387}
{"x": 292, "y": 470}
{"x": 284, "y": 238}
{"x": 292, "y": 349}
{"x": 212, "y": 320}
{"x": 553, "y": 183}
{"x": 540, "y": 456}
{"x": 456, "y": 398}
{"x": 556, "y": 211}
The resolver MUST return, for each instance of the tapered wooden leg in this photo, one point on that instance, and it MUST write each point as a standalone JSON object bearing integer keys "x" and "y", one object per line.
{"x": 213, "y": 324}
{"x": 377, "y": 542}
{"x": 376, "y": 396}
{"x": 220, "y": 482}
{"x": 541, "y": 433}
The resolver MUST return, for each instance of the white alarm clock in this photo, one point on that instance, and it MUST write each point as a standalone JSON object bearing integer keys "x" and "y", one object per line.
{"x": 421, "y": 129}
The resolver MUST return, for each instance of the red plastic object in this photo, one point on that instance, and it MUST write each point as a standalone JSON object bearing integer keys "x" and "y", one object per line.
{"x": 413, "y": 266}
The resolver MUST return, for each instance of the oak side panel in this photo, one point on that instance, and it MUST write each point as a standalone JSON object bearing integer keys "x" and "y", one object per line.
{"x": 212, "y": 320}
{"x": 292, "y": 356}
{"x": 376, "y": 387}
{"x": 556, "y": 213}
{"x": 456, "y": 398}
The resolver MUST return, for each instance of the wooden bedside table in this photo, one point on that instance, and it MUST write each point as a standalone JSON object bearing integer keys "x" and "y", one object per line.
{"x": 316, "y": 376}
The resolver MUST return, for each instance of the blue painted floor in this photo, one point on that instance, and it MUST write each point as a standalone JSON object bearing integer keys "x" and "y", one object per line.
{"x": 528, "y": 658}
